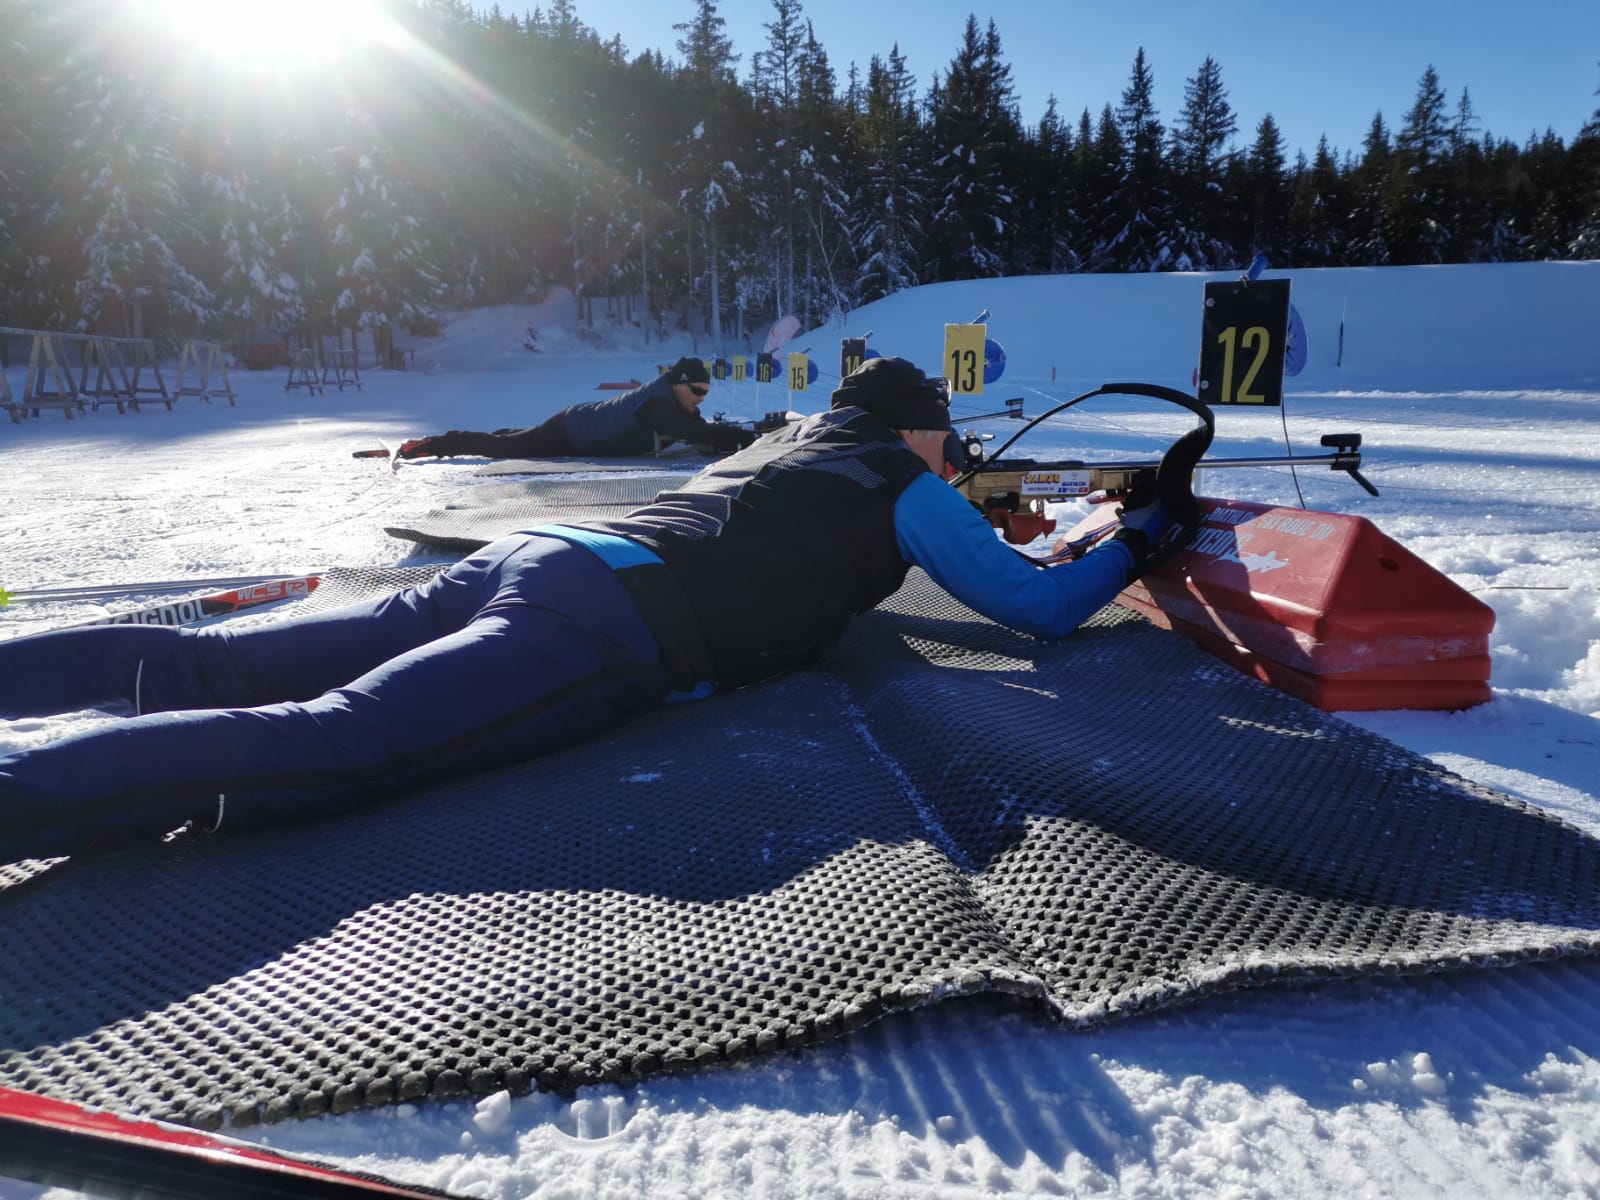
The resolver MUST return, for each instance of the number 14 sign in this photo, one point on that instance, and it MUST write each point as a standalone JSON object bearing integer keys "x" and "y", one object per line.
{"x": 1242, "y": 340}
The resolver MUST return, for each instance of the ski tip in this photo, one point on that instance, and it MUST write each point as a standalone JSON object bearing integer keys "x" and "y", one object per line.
{"x": 5, "y": 597}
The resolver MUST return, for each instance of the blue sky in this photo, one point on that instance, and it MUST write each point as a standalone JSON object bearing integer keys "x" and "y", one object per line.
{"x": 1318, "y": 68}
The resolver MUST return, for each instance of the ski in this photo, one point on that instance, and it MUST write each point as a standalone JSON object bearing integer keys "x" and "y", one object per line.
{"x": 217, "y": 604}
{"x": 203, "y": 608}
{"x": 110, "y": 591}
{"x": 59, "y": 1144}
{"x": 381, "y": 450}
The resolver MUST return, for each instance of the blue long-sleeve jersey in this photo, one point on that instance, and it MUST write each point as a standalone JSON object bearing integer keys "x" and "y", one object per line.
{"x": 939, "y": 531}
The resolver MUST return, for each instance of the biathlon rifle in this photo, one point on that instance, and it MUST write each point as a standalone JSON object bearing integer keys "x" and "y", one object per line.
{"x": 1011, "y": 492}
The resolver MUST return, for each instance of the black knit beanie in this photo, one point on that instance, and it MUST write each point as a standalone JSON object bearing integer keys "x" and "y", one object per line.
{"x": 689, "y": 370}
{"x": 897, "y": 392}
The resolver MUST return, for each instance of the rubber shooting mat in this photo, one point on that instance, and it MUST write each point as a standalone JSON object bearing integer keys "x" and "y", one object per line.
{"x": 658, "y": 464}
{"x": 1108, "y": 824}
{"x": 483, "y": 513}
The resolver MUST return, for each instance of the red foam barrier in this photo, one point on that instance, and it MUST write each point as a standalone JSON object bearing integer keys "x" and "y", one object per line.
{"x": 1322, "y": 605}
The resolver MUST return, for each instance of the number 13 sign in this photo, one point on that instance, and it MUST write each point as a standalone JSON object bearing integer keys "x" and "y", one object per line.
{"x": 1242, "y": 340}
{"x": 963, "y": 358}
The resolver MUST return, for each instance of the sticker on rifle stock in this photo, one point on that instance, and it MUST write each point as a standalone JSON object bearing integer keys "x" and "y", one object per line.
{"x": 1055, "y": 483}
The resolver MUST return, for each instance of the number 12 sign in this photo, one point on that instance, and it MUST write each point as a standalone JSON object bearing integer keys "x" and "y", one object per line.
{"x": 1242, "y": 339}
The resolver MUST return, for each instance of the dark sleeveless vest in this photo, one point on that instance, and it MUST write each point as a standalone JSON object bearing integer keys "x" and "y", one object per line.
{"x": 766, "y": 555}
{"x": 611, "y": 426}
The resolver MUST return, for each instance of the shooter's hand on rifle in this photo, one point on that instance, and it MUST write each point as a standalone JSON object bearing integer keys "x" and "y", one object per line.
{"x": 1161, "y": 517}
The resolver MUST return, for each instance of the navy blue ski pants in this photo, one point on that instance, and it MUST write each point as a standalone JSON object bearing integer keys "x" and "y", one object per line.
{"x": 528, "y": 645}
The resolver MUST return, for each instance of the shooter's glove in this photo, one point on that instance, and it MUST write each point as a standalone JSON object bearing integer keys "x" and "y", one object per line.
{"x": 439, "y": 445}
{"x": 423, "y": 447}
{"x": 1158, "y": 520}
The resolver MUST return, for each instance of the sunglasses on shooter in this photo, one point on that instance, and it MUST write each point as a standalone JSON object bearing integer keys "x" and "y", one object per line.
{"x": 700, "y": 389}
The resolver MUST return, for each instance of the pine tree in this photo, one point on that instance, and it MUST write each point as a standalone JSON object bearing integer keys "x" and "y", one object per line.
{"x": 295, "y": 241}
{"x": 974, "y": 132}
{"x": 774, "y": 79}
{"x": 823, "y": 189}
{"x": 307, "y": 179}
{"x": 1547, "y": 165}
{"x": 711, "y": 187}
{"x": 1200, "y": 155}
{"x": 1266, "y": 193}
{"x": 1006, "y": 137}
{"x": 134, "y": 210}
{"x": 1419, "y": 197}
{"x": 123, "y": 203}
{"x": 252, "y": 289}
{"x": 1426, "y": 134}
{"x": 384, "y": 267}
{"x": 504, "y": 212}
{"x": 1050, "y": 244}
{"x": 1525, "y": 175}
{"x": 893, "y": 200}
{"x": 1471, "y": 227}
{"x": 1315, "y": 233}
{"x": 1138, "y": 228}
{"x": 13, "y": 162}
{"x": 1585, "y": 157}
{"x": 1100, "y": 171}
{"x": 602, "y": 213}
{"x": 649, "y": 94}
{"x": 43, "y": 75}
{"x": 15, "y": 166}
{"x": 1503, "y": 240}
{"x": 1369, "y": 219}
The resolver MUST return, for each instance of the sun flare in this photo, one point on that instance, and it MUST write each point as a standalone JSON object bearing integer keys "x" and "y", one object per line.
{"x": 279, "y": 33}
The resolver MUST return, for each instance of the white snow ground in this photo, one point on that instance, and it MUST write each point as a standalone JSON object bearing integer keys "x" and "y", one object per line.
{"x": 1478, "y": 392}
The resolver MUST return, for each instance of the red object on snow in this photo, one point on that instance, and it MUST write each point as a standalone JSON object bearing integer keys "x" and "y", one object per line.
{"x": 68, "y": 1145}
{"x": 617, "y": 386}
{"x": 1020, "y": 528}
{"x": 783, "y": 330}
{"x": 1320, "y": 605}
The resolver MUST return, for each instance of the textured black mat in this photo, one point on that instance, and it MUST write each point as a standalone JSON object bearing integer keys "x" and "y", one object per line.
{"x": 1108, "y": 824}
{"x": 679, "y": 463}
{"x": 482, "y": 514}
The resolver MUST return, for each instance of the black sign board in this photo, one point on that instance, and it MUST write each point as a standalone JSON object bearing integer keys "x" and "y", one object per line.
{"x": 852, "y": 353}
{"x": 1242, "y": 338}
